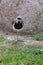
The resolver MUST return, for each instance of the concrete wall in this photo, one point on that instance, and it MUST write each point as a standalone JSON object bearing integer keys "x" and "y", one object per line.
{"x": 31, "y": 12}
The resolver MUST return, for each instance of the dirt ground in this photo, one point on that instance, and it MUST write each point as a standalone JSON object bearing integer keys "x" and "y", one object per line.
{"x": 22, "y": 39}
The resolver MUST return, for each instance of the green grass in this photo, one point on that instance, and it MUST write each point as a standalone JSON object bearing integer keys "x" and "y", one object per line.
{"x": 20, "y": 54}
{"x": 2, "y": 39}
{"x": 38, "y": 37}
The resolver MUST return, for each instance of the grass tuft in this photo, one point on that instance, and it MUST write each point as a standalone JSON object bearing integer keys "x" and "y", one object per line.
{"x": 38, "y": 37}
{"x": 2, "y": 39}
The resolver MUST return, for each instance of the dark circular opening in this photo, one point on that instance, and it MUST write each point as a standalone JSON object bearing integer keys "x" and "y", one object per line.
{"x": 18, "y": 25}
{"x": 18, "y": 18}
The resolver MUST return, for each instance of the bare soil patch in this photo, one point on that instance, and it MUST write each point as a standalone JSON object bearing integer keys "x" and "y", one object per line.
{"x": 23, "y": 39}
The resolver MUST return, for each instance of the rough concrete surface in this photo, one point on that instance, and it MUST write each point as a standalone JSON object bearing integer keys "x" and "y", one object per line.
{"x": 31, "y": 12}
